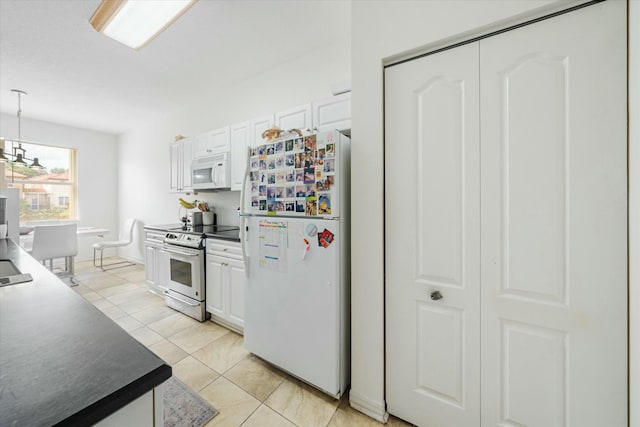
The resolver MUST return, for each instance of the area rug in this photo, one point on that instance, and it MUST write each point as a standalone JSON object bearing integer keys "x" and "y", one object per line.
{"x": 183, "y": 407}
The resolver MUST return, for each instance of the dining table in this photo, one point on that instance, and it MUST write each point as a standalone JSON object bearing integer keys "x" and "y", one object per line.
{"x": 26, "y": 240}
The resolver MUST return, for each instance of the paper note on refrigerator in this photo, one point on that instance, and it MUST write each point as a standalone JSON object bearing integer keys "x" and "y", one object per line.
{"x": 273, "y": 245}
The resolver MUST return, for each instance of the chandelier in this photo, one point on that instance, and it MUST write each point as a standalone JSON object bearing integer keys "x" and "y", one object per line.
{"x": 18, "y": 154}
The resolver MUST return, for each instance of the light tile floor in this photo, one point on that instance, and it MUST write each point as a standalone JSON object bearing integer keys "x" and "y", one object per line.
{"x": 211, "y": 359}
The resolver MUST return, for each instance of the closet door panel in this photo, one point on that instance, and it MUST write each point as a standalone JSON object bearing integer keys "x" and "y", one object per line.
{"x": 432, "y": 239}
{"x": 554, "y": 225}
{"x": 534, "y": 109}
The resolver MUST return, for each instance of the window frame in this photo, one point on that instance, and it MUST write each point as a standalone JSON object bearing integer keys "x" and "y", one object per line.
{"x": 72, "y": 184}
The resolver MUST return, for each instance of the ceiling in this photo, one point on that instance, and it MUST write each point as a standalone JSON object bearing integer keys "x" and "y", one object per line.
{"x": 78, "y": 77}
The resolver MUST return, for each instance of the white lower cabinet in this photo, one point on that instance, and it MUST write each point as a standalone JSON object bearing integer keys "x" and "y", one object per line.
{"x": 155, "y": 272}
{"x": 225, "y": 283}
{"x": 145, "y": 411}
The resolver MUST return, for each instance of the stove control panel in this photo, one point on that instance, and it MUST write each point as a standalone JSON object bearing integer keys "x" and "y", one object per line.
{"x": 183, "y": 239}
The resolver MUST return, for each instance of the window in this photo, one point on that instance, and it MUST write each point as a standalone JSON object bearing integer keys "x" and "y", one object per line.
{"x": 49, "y": 193}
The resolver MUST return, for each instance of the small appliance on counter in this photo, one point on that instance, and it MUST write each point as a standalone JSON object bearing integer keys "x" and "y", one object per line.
{"x": 194, "y": 218}
{"x": 204, "y": 216}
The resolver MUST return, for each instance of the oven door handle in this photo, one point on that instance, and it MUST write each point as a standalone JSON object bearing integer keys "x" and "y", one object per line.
{"x": 181, "y": 253}
{"x": 165, "y": 293}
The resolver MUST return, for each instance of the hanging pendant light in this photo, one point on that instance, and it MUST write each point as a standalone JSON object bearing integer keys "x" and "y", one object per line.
{"x": 20, "y": 160}
{"x": 36, "y": 164}
{"x": 18, "y": 153}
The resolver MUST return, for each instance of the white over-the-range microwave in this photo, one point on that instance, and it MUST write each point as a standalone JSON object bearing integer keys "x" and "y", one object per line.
{"x": 211, "y": 172}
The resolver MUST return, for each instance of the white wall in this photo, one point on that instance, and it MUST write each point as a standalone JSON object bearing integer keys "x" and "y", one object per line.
{"x": 144, "y": 151}
{"x": 97, "y": 170}
{"x": 381, "y": 31}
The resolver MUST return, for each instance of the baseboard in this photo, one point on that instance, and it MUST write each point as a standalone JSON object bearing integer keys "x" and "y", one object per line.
{"x": 369, "y": 407}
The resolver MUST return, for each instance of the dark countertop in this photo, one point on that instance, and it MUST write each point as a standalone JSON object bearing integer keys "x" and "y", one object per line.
{"x": 62, "y": 361}
{"x": 223, "y": 232}
{"x": 163, "y": 227}
{"x": 217, "y": 232}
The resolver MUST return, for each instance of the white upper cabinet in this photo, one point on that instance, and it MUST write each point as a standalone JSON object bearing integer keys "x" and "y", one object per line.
{"x": 187, "y": 157}
{"x": 180, "y": 156}
{"x": 332, "y": 113}
{"x": 212, "y": 142}
{"x": 175, "y": 166}
{"x": 259, "y": 125}
{"x": 240, "y": 141}
{"x": 324, "y": 115}
{"x": 295, "y": 118}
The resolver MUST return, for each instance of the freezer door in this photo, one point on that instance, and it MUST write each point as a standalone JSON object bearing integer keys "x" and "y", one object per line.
{"x": 292, "y": 306}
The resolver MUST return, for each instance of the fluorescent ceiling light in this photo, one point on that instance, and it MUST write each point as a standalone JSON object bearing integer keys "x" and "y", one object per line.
{"x": 136, "y": 22}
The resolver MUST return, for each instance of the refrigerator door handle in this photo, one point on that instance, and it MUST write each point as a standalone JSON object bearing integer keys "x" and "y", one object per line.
{"x": 243, "y": 244}
{"x": 243, "y": 189}
{"x": 242, "y": 214}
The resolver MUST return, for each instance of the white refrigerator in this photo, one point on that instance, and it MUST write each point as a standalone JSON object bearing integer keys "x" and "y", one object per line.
{"x": 295, "y": 220}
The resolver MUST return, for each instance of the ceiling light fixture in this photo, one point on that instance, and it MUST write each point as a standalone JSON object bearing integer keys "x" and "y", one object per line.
{"x": 136, "y": 22}
{"x": 18, "y": 153}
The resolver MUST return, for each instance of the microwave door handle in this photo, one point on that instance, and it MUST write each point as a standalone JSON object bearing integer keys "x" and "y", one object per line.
{"x": 214, "y": 175}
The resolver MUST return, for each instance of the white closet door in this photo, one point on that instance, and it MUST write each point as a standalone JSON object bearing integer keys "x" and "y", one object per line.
{"x": 432, "y": 239}
{"x": 554, "y": 225}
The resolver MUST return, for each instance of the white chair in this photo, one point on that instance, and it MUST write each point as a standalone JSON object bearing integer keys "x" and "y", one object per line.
{"x": 56, "y": 241}
{"x": 125, "y": 238}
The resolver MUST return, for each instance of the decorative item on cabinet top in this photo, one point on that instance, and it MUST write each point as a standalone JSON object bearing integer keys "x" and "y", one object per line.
{"x": 275, "y": 133}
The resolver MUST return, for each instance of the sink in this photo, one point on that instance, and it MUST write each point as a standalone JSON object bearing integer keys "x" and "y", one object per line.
{"x": 10, "y": 274}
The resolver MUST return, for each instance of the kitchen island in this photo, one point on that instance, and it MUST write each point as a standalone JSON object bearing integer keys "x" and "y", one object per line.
{"x": 62, "y": 361}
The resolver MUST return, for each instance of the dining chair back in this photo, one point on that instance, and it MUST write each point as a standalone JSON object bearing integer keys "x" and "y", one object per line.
{"x": 56, "y": 241}
{"x": 125, "y": 238}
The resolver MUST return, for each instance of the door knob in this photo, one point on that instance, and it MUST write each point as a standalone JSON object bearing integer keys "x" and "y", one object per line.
{"x": 436, "y": 295}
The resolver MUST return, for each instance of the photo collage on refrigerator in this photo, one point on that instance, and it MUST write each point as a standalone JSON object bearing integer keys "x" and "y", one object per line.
{"x": 293, "y": 176}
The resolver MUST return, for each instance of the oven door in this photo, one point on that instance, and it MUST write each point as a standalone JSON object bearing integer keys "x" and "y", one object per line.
{"x": 185, "y": 271}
